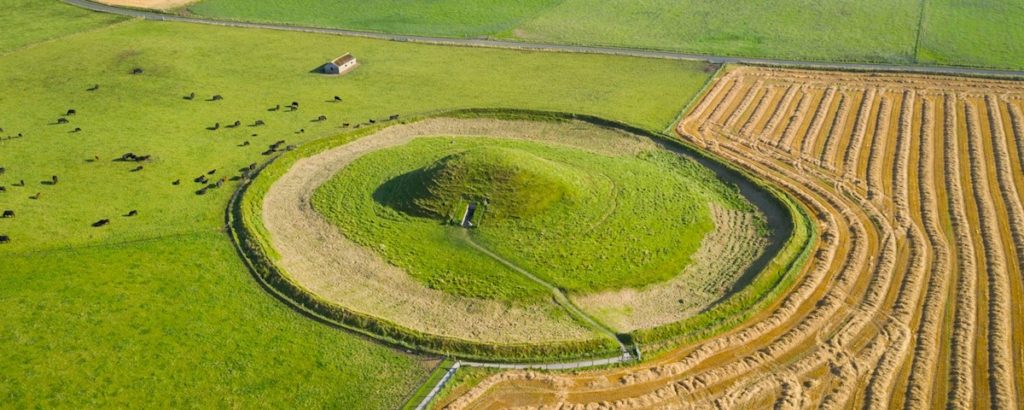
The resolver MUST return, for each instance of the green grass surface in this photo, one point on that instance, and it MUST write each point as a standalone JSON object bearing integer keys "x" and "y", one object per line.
{"x": 981, "y": 33}
{"x": 653, "y": 204}
{"x": 26, "y": 22}
{"x": 987, "y": 33}
{"x": 867, "y": 30}
{"x": 450, "y": 18}
{"x": 175, "y": 322}
{"x": 870, "y": 30}
{"x": 158, "y": 309}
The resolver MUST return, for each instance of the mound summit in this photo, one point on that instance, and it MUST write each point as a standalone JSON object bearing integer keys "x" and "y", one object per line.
{"x": 511, "y": 183}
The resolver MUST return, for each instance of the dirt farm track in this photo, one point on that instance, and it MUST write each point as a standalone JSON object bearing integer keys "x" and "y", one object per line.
{"x": 913, "y": 296}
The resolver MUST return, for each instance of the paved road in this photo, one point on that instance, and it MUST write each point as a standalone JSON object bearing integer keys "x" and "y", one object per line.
{"x": 466, "y": 42}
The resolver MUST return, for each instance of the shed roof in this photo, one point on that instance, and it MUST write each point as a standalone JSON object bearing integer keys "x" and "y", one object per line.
{"x": 343, "y": 59}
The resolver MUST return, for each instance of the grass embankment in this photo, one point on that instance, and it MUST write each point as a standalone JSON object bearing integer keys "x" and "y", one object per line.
{"x": 653, "y": 204}
{"x": 158, "y": 308}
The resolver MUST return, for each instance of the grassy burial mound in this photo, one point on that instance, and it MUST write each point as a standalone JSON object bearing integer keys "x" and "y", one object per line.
{"x": 582, "y": 221}
{"x": 558, "y": 206}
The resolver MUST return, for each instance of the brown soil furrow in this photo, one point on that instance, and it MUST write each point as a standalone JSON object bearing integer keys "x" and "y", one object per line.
{"x": 874, "y": 171}
{"x": 780, "y": 109}
{"x": 716, "y": 113}
{"x": 926, "y": 353}
{"x": 759, "y": 109}
{"x": 1000, "y": 343}
{"x": 900, "y": 166}
{"x": 827, "y": 158}
{"x": 854, "y": 148}
{"x": 817, "y": 122}
{"x": 961, "y": 377}
{"x": 744, "y": 104}
{"x": 794, "y": 122}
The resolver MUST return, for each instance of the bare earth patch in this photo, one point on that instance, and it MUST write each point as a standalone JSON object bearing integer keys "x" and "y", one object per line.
{"x": 149, "y": 4}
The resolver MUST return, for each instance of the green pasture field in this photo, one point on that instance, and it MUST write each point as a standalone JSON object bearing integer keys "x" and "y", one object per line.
{"x": 27, "y": 22}
{"x": 158, "y": 309}
{"x": 449, "y": 18}
{"x": 654, "y": 204}
{"x": 981, "y": 33}
{"x": 987, "y": 33}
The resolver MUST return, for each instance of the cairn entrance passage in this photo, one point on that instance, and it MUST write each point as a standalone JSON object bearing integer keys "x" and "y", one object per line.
{"x": 467, "y": 217}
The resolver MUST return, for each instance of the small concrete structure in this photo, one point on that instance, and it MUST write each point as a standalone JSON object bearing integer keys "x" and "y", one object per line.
{"x": 467, "y": 218}
{"x": 341, "y": 65}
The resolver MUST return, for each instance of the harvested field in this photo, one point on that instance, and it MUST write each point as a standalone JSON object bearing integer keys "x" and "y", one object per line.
{"x": 913, "y": 298}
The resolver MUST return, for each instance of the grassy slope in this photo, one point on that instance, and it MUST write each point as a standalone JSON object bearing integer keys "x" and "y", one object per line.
{"x": 987, "y": 33}
{"x": 869, "y": 30}
{"x": 450, "y": 18}
{"x": 663, "y": 196}
{"x": 26, "y": 22}
{"x": 79, "y": 295}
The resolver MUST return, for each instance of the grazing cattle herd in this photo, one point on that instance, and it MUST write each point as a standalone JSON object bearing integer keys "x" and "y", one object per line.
{"x": 204, "y": 180}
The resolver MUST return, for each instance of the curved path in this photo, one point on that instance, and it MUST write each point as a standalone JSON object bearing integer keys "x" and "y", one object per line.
{"x": 631, "y": 52}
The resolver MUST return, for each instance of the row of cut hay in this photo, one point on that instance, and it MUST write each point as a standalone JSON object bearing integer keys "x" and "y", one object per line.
{"x": 1000, "y": 338}
{"x": 961, "y": 375}
{"x": 874, "y": 169}
{"x": 860, "y": 126}
{"x": 926, "y": 351}
{"x": 793, "y": 125}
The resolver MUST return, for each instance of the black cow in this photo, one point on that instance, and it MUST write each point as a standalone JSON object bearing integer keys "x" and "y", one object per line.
{"x": 77, "y": 129}
{"x": 321, "y": 118}
{"x": 5, "y": 239}
{"x": 275, "y": 108}
{"x": 62, "y": 120}
{"x": 131, "y": 213}
{"x": 101, "y": 222}
{"x": 216, "y": 97}
{"x": 190, "y": 96}
{"x": 215, "y": 127}
{"x": 258, "y": 123}
{"x": 244, "y": 144}
{"x": 20, "y": 183}
{"x": 211, "y": 172}
{"x": 71, "y": 112}
{"x": 36, "y": 196}
{"x": 337, "y": 98}
{"x": 127, "y": 157}
{"x": 136, "y": 169}
{"x": 200, "y": 180}
{"x": 141, "y": 158}
{"x": 8, "y": 214}
{"x": 295, "y": 104}
{"x": 3, "y": 188}
{"x": 393, "y": 117}
{"x": 136, "y": 71}
{"x": 176, "y": 182}
{"x": 372, "y": 121}
{"x": 345, "y": 125}
{"x": 2, "y": 170}
{"x": 237, "y": 123}
{"x": 53, "y": 180}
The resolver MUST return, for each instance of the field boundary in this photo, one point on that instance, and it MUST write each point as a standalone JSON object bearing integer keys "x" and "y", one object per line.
{"x": 565, "y": 48}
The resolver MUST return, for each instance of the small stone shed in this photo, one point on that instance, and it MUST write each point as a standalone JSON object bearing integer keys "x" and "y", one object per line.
{"x": 341, "y": 65}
